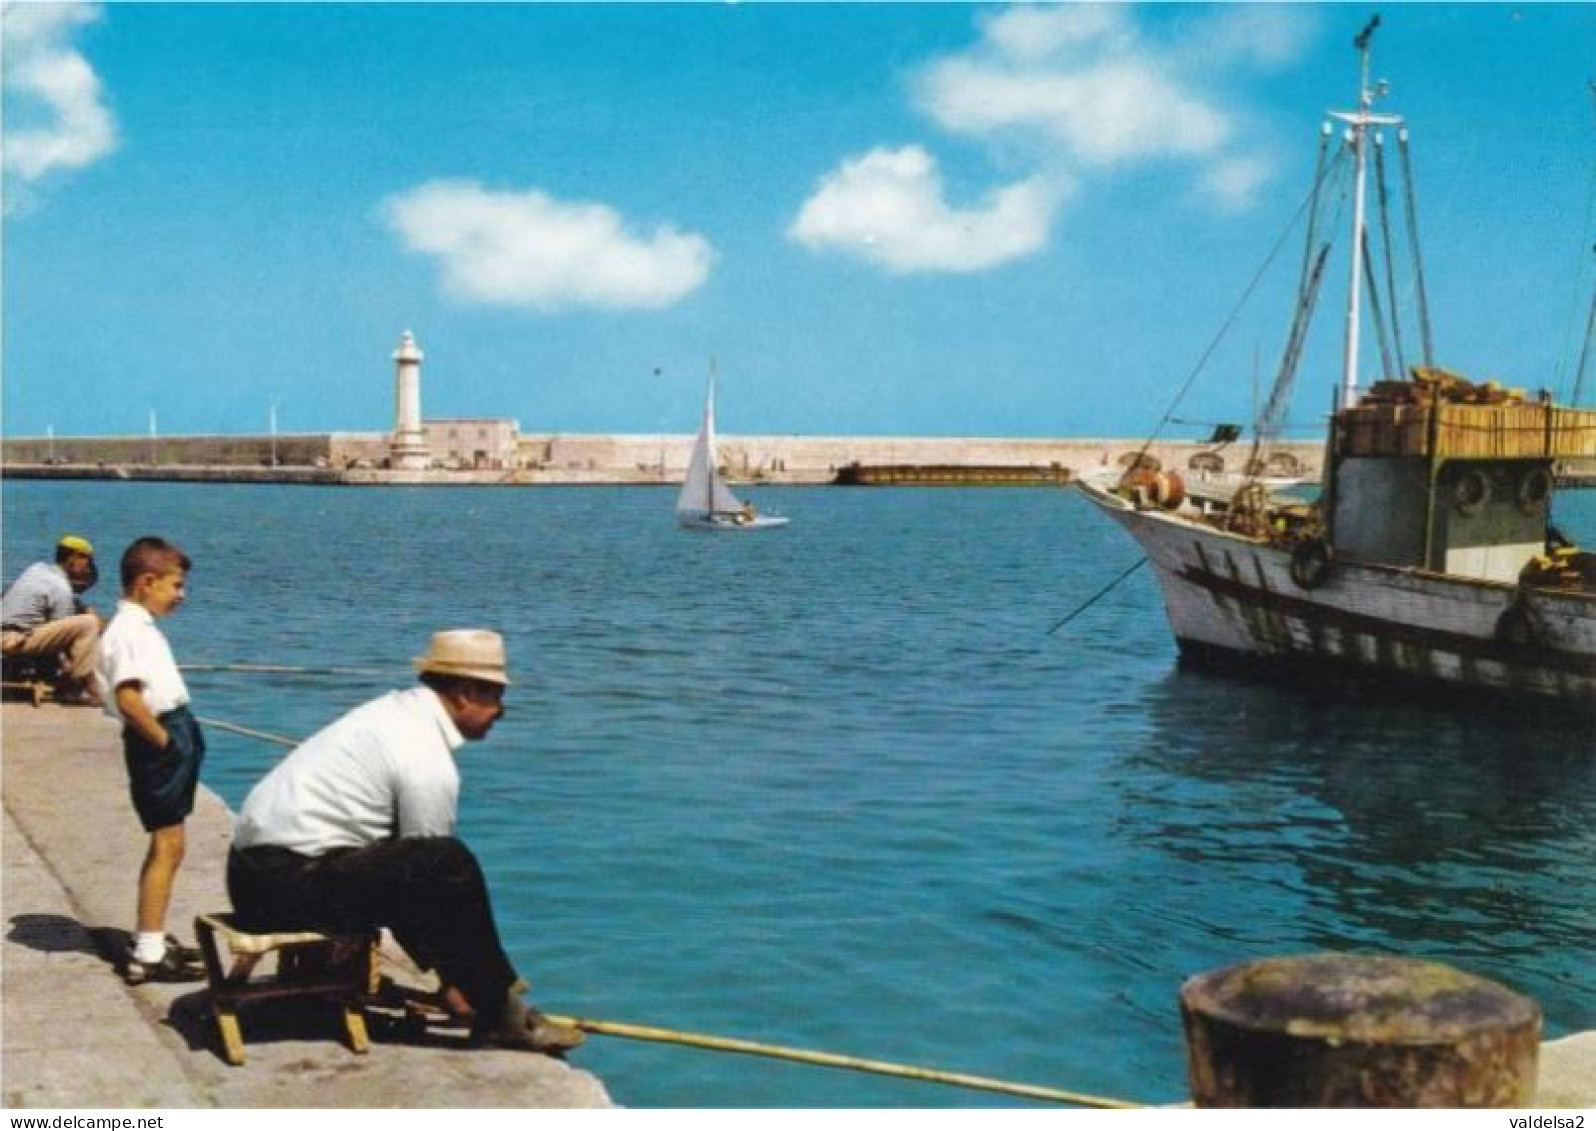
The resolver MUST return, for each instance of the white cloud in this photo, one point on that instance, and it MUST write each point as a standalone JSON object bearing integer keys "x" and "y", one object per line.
{"x": 1028, "y": 33}
{"x": 529, "y": 250}
{"x": 1261, "y": 34}
{"x": 59, "y": 119}
{"x": 1109, "y": 112}
{"x": 1234, "y": 183}
{"x": 1095, "y": 89}
{"x": 888, "y": 208}
{"x": 1077, "y": 90}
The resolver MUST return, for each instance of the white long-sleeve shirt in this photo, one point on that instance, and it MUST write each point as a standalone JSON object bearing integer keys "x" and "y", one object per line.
{"x": 384, "y": 770}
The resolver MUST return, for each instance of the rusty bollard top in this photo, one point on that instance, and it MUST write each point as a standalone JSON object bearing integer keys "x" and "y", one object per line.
{"x": 1326, "y": 1030}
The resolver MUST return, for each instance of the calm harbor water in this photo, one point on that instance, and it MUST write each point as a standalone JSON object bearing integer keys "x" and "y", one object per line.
{"x": 835, "y": 786}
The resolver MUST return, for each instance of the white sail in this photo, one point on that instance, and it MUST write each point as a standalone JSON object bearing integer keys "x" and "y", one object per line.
{"x": 704, "y": 492}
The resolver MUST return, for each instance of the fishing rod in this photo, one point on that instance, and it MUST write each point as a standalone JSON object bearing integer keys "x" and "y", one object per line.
{"x": 281, "y": 669}
{"x": 834, "y": 1060}
{"x": 782, "y": 1052}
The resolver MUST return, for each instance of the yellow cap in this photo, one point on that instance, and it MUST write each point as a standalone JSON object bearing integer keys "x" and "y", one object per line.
{"x": 76, "y": 545}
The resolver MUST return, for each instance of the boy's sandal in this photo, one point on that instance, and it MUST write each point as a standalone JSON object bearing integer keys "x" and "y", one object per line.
{"x": 170, "y": 968}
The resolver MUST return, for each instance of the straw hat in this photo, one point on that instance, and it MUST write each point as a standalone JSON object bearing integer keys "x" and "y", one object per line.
{"x": 473, "y": 653}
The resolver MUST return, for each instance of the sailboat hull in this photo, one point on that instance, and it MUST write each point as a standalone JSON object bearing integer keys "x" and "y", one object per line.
{"x": 730, "y": 521}
{"x": 1233, "y": 595}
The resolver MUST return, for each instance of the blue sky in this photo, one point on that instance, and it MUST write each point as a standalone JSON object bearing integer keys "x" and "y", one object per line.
{"x": 877, "y": 219}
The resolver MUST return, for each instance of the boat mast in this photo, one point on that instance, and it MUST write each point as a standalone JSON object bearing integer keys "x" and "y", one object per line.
{"x": 1359, "y": 121}
{"x": 709, "y": 445}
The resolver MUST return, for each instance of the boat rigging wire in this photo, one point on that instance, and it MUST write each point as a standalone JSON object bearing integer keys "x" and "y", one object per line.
{"x": 781, "y": 1052}
{"x": 1095, "y": 597}
{"x": 1413, "y": 242}
{"x": 1390, "y": 257}
{"x": 1387, "y": 362}
{"x": 1272, "y": 416}
{"x": 1310, "y": 200}
{"x": 1584, "y": 353}
{"x": 1590, "y": 319}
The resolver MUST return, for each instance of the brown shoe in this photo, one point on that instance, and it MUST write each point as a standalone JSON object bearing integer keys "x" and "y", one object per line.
{"x": 523, "y": 1027}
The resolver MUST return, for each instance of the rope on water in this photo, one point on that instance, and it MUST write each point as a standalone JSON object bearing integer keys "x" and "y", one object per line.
{"x": 1095, "y": 597}
{"x": 833, "y": 1060}
{"x": 780, "y": 1052}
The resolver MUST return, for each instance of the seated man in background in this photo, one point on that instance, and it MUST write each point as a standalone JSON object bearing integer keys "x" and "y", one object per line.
{"x": 354, "y": 831}
{"x": 43, "y": 618}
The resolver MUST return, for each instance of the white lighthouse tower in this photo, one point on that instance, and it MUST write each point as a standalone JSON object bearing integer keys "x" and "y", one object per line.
{"x": 409, "y": 447}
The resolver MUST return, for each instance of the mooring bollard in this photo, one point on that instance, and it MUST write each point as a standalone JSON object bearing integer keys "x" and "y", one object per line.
{"x": 1334, "y": 1030}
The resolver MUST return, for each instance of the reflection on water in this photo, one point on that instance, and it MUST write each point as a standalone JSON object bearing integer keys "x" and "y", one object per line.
{"x": 1466, "y": 838}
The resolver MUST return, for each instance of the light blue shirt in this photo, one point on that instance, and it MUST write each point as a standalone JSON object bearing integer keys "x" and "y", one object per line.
{"x": 41, "y": 594}
{"x": 384, "y": 770}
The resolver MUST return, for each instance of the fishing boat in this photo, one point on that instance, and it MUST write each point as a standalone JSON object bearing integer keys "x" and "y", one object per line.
{"x": 1429, "y": 554}
{"x": 706, "y": 502}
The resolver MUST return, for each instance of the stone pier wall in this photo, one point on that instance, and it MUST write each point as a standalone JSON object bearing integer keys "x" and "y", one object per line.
{"x": 583, "y": 458}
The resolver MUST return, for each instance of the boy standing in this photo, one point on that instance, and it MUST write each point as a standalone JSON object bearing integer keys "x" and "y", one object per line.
{"x": 140, "y": 686}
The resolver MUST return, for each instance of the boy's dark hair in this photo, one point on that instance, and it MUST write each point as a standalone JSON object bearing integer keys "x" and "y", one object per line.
{"x": 151, "y": 555}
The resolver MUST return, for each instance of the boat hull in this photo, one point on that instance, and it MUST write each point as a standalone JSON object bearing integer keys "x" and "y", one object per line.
{"x": 731, "y": 521}
{"x": 1232, "y": 594}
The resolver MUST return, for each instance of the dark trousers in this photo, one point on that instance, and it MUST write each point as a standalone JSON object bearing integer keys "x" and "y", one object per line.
{"x": 429, "y": 891}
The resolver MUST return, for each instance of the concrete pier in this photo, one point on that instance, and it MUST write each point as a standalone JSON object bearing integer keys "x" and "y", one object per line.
{"x": 74, "y": 1036}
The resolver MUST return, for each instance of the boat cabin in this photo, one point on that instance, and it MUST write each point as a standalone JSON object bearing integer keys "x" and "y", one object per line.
{"x": 1442, "y": 474}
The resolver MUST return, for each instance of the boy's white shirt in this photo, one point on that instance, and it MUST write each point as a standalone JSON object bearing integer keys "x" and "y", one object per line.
{"x": 133, "y": 648}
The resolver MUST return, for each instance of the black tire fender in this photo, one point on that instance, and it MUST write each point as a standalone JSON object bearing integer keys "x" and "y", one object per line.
{"x": 1534, "y": 489}
{"x": 1516, "y": 625}
{"x": 1310, "y": 563}
{"x": 1472, "y": 492}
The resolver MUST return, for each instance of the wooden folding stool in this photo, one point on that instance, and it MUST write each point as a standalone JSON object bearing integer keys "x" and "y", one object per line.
{"x": 342, "y": 969}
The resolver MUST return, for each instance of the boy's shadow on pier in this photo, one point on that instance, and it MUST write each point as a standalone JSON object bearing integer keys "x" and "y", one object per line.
{"x": 53, "y": 934}
{"x": 189, "y": 1013}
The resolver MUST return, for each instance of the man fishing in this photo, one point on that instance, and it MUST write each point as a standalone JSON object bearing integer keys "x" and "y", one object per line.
{"x": 354, "y": 831}
{"x": 46, "y": 620}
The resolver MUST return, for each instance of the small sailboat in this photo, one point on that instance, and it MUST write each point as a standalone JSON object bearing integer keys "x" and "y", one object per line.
{"x": 706, "y": 502}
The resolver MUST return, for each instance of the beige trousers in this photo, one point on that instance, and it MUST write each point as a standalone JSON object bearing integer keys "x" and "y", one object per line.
{"x": 71, "y": 638}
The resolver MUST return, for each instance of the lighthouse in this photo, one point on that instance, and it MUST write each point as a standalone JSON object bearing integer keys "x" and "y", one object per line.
{"x": 409, "y": 447}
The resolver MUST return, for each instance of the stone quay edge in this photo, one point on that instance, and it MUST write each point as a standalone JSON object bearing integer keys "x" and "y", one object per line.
{"x": 75, "y": 1036}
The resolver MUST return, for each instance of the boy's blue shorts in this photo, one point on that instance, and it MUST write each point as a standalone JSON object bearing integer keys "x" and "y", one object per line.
{"x": 162, "y": 782}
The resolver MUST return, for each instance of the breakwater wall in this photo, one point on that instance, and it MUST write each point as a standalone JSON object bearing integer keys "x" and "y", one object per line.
{"x": 355, "y": 458}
